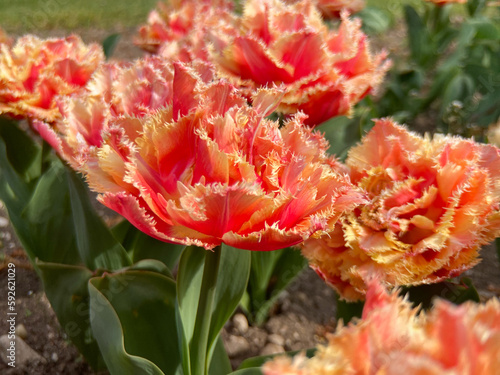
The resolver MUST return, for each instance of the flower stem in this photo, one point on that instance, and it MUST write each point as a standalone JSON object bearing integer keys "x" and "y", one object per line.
{"x": 199, "y": 344}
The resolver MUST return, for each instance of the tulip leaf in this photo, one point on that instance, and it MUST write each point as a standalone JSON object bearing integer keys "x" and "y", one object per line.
{"x": 96, "y": 244}
{"x": 348, "y": 310}
{"x": 132, "y": 314}
{"x": 234, "y": 271}
{"x": 220, "y": 364}
{"x": 39, "y": 208}
{"x": 141, "y": 246}
{"x": 52, "y": 235}
{"x": 231, "y": 282}
{"x": 189, "y": 276}
{"x": 341, "y": 133}
{"x": 257, "y": 362}
{"x": 22, "y": 152}
{"x": 109, "y": 44}
{"x": 270, "y": 273}
{"x": 374, "y": 20}
{"x": 457, "y": 293}
{"x": 66, "y": 289}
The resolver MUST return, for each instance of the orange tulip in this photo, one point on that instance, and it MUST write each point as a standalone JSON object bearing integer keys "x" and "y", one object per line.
{"x": 324, "y": 73}
{"x": 392, "y": 339}
{"x": 333, "y": 8}
{"x": 176, "y": 28}
{"x": 208, "y": 169}
{"x": 115, "y": 90}
{"x": 433, "y": 204}
{"x": 34, "y": 71}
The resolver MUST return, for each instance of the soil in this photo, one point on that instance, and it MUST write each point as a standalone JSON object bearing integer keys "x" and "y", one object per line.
{"x": 302, "y": 317}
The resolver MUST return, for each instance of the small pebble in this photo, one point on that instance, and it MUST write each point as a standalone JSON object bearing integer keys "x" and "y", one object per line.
{"x": 240, "y": 323}
{"x": 54, "y": 357}
{"x": 276, "y": 339}
{"x": 236, "y": 345}
{"x": 272, "y": 349}
{"x": 3, "y": 222}
{"x": 21, "y": 331}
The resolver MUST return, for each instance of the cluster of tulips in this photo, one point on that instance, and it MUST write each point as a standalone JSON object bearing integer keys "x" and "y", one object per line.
{"x": 211, "y": 140}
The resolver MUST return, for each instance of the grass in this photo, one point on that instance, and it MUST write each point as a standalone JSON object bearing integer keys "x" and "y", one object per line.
{"x": 35, "y": 15}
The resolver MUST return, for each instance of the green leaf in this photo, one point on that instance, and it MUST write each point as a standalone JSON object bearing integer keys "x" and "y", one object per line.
{"x": 348, "y": 310}
{"x": 51, "y": 236}
{"x": 132, "y": 314}
{"x": 22, "y": 152}
{"x": 271, "y": 273}
{"x": 454, "y": 292}
{"x": 152, "y": 265}
{"x": 189, "y": 276}
{"x": 374, "y": 20}
{"x": 234, "y": 271}
{"x": 220, "y": 364}
{"x": 231, "y": 282}
{"x": 474, "y": 7}
{"x": 418, "y": 37}
{"x": 109, "y": 44}
{"x": 341, "y": 133}
{"x": 66, "y": 289}
{"x": 96, "y": 244}
{"x": 257, "y": 362}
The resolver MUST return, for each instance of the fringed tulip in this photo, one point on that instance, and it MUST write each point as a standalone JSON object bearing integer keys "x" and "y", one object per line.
{"x": 333, "y": 8}
{"x": 116, "y": 90}
{"x": 209, "y": 169}
{"x": 324, "y": 73}
{"x": 433, "y": 204}
{"x": 176, "y": 28}
{"x": 34, "y": 71}
{"x": 393, "y": 339}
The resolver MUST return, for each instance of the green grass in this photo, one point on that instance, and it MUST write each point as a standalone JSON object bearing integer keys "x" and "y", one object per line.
{"x": 34, "y": 15}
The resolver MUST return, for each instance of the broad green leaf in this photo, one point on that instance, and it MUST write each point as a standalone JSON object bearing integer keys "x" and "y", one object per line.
{"x": 189, "y": 276}
{"x": 234, "y": 271}
{"x": 132, "y": 314}
{"x": 348, "y": 310}
{"x": 66, "y": 289}
{"x": 48, "y": 213}
{"x": 257, "y": 362}
{"x": 141, "y": 246}
{"x": 152, "y": 265}
{"x": 109, "y": 45}
{"x": 220, "y": 364}
{"x": 422, "y": 295}
{"x": 96, "y": 244}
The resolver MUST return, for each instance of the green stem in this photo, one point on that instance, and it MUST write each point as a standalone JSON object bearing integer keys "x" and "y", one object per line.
{"x": 199, "y": 345}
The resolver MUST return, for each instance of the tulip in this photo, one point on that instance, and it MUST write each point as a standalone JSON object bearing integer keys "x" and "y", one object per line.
{"x": 324, "y": 73}
{"x": 209, "y": 169}
{"x": 393, "y": 339}
{"x": 33, "y": 72}
{"x": 433, "y": 204}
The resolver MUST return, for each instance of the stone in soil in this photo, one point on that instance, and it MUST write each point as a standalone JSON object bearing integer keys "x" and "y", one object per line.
{"x": 22, "y": 352}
